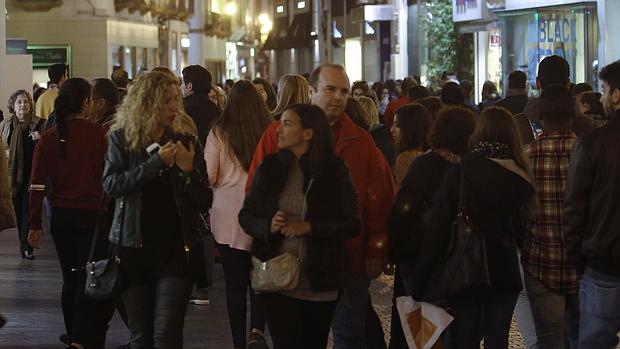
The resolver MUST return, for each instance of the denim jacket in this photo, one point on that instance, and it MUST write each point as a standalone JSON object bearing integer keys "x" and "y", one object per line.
{"x": 126, "y": 172}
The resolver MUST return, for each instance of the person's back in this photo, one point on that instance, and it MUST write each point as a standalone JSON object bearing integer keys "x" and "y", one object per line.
{"x": 57, "y": 73}
{"x": 76, "y": 177}
{"x": 591, "y": 218}
{"x": 196, "y": 87}
{"x": 516, "y": 97}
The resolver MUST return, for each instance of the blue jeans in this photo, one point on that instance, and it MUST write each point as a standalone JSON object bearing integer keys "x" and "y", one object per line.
{"x": 600, "y": 310}
{"x": 348, "y": 324}
{"x": 556, "y": 315}
{"x": 480, "y": 316}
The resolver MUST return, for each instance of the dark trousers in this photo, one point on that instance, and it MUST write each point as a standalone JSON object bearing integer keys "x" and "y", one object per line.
{"x": 85, "y": 319}
{"x": 480, "y": 316}
{"x": 295, "y": 323}
{"x": 22, "y": 213}
{"x": 237, "y": 265}
{"x": 156, "y": 312}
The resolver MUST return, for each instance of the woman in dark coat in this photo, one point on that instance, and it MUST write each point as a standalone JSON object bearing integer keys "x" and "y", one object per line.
{"x": 302, "y": 201}
{"x": 498, "y": 190}
{"x": 20, "y": 134}
{"x": 448, "y": 142}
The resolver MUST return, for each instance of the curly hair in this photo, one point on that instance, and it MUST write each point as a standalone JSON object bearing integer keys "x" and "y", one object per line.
{"x": 13, "y": 98}
{"x": 452, "y": 129}
{"x": 139, "y": 113}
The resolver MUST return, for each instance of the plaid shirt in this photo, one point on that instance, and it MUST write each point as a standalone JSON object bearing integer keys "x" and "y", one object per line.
{"x": 544, "y": 249}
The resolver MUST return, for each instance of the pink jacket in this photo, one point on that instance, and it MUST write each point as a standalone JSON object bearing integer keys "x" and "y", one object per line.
{"x": 227, "y": 178}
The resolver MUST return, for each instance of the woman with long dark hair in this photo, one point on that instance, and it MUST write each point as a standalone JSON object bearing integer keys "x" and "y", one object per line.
{"x": 412, "y": 123}
{"x": 155, "y": 171}
{"x": 498, "y": 192}
{"x": 228, "y": 153}
{"x": 302, "y": 202}
{"x": 20, "y": 134}
{"x": 69, "y": 158}
{"x": 267, "y": 93}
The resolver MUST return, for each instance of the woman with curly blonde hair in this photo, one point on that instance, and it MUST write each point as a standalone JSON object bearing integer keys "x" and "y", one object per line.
{"x": 155, "y": 171}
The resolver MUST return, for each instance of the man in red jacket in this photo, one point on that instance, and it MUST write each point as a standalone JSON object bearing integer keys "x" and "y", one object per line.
{"x": 329, "y": 89}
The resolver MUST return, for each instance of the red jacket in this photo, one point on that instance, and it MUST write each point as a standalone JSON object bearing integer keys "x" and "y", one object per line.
{"x": 372, "y": 179}
{"x": 75, "y": 179}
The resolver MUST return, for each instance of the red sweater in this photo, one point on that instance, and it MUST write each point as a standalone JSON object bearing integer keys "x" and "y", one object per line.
{"x": 75, "y": 180}
{"x": 372, "y": 179}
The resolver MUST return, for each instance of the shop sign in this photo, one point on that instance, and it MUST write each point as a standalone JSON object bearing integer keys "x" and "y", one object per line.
{"x": 46, "y": 55}
{"x": 469, "y": 10}
{"x": 525, "y": 4}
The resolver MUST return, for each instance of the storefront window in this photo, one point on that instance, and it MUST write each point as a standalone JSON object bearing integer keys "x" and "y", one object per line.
{"x": 563, "y": 31}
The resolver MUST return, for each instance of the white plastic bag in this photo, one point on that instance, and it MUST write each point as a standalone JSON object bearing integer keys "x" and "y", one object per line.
{"x": 422, "y": 322}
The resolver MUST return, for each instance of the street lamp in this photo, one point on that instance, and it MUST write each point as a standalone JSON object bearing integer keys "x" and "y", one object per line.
{"x": 230, "y": 8}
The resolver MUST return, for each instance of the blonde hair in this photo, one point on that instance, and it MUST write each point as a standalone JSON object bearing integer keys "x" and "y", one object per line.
{"x": 370, "y": 114}
{"x": 139, "y": 114}
{"x": 292, "y": 89}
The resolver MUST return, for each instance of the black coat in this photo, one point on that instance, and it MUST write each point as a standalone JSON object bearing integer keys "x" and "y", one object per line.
{"x": 416, "y": 193}
{"x": 495, "y": 198}
{"x": 592, "y": 205}
{"x": 203, "y": 111}
{"x": 332, "y": 214}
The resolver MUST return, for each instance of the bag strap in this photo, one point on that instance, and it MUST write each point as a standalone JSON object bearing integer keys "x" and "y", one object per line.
{"x": 304, "y": 212}
{"x": 461, "y": 207}
{"x": 100, "y": 212}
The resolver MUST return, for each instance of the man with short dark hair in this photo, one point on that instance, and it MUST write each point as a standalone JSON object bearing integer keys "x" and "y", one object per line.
{"x": 550, "y": 279}
{"x": 58, "y": 73}
{"x": 516, "y": 97}
{"x": 372, "y": 178}
{"x": 592, "y": 220}
{"x": 105, "y": 100}
{"x": 195, "y": 88}
{"x": 121, "y": 80}
{"x": 551, "y": 70}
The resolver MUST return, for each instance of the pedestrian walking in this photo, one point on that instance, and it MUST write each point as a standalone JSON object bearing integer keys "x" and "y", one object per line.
{"x": 20, "y": 134}
{"x": 155, "y": 171}
{"x": 68, "y": 162}
{"x": 497, "y": 190}
{"x": 302, "y": 201}
{"x": 591, "y": 218}
{"x": 447, "y": 139}
{"x": 228, "y": 153}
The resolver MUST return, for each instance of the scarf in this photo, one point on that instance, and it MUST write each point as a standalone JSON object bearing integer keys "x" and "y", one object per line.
{"x": 493, "y": 150}
{"x": 16, "y": 151}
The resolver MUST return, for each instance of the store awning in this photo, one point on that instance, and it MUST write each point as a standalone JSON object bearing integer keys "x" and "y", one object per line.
{"x": 277, "y": 38}
{"x": 237, "y": 35}
{"x": 299, "y": 35}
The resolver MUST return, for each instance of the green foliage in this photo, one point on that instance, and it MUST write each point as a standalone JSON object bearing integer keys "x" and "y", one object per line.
{"x": 448, "y": 49}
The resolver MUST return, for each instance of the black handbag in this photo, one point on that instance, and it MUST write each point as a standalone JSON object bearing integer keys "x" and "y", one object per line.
{"x": 102, "y": 275}
{"x": 463, "y": 266}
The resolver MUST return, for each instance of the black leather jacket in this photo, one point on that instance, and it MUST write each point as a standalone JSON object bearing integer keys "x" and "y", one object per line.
{"x": 592, "y": 204}
{"x": 332, "y": 214}
{"x": 126, "y": 172}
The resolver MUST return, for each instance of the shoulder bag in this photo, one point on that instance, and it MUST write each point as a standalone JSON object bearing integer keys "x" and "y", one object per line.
{"x": 280, "y": 273}
{"x": 102, "y": 275}
{"x": 464, "y": 265}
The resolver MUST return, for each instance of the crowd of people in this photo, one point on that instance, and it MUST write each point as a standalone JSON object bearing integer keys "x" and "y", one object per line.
{"x": 311, "y": 188}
